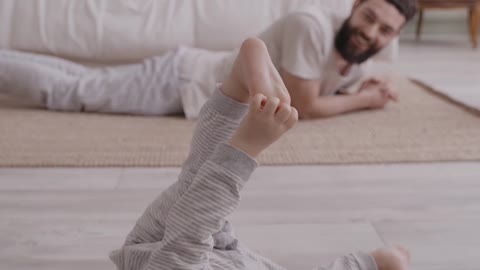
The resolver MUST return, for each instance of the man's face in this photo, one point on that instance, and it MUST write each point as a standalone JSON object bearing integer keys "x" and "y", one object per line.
{"x": 370, "y": 27}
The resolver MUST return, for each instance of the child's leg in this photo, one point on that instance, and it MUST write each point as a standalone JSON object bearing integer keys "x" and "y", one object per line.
{"x": 215, "y": 190}
{"x": 253, "y": 72}
{"x": 185, "y": 217}
{"x": 217, "y": 121}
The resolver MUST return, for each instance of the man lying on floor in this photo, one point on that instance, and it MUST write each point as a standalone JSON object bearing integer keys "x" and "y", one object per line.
{"x": 185, "y": 227}
{"x": 317, "y": 54}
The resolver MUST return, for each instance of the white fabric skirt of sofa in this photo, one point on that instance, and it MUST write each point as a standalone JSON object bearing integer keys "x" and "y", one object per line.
{"x": 129, "y": 30}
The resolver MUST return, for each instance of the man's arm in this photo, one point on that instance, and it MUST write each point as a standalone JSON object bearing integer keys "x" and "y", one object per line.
{"x": 327, "y": 106}
{"x": 305, "y": 95}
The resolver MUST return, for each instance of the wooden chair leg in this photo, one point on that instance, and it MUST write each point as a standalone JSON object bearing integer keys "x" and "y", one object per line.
{"x": 474, "y": 24}
{"x": 419, "y": 24}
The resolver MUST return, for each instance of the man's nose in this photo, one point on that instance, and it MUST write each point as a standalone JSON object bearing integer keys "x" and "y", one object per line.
{"x": 370, "y": 32}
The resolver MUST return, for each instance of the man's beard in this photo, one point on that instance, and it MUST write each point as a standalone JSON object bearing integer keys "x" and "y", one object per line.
{"x": 344, "y": 46}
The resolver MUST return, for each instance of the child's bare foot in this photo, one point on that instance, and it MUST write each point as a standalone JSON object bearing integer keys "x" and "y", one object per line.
{"x": 254, "y": 73}
{"x": 267, "y": 120}
{"x": 392, "y": 258}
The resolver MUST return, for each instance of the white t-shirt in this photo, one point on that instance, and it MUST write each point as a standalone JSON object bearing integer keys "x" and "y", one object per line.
{"x": 302, "y": 43}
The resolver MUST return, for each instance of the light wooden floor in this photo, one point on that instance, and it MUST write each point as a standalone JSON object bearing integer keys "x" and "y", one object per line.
{"x": 57, "y": 219}
{"x": 299, "y": 216}
{"x": 443, "y": 58}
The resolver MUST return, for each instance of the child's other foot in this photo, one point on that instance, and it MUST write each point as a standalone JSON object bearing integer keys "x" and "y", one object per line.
{"x": 267, "y": 120}
{"x": 392, "y": 258}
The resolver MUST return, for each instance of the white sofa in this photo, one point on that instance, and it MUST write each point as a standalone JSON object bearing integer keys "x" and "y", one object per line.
{"x": 128, "y": 30}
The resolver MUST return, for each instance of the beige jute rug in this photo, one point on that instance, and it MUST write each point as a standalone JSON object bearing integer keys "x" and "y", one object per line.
{"x": 422, "y": 127}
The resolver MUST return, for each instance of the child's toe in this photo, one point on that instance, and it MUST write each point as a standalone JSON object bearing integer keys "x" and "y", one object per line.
{"x": 283, "y": 112}
{"x": 293, "y": 119}
{"x": 271, "y": 106}
{"x": 256, "y": 102}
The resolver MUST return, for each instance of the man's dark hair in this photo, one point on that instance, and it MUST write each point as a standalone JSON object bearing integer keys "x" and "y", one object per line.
{"x": 407, "y": 8}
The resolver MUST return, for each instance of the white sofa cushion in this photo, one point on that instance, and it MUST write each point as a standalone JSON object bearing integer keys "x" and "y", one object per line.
{"x": 128, "y": 30}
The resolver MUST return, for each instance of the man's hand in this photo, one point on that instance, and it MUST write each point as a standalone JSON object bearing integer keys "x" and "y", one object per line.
{"x": 376, "y": 97}
{"x": 378, "y": 92}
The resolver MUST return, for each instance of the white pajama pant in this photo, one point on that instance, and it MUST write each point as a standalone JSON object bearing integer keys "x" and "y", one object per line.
{"x": 180, "y": 80}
